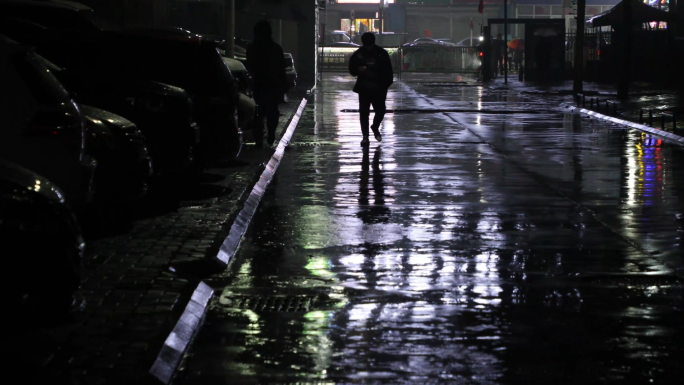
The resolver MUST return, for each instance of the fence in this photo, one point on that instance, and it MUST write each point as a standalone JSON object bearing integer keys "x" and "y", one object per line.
{"x": 597, "y": 45}
{"x": 438, "y": 59}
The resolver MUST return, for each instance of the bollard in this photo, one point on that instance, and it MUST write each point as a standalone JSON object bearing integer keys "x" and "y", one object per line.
{"x": 591, "y": 103}
{"x": 641, "y": 116}
{"x": 668, "y": 115}
{"x": 650, "y": 117}
{"x": 674, "y": 121}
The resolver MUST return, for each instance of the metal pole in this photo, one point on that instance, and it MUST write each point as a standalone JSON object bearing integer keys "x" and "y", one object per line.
{"x": 505, "y": 46}
{"x": 623, "y": 86}
{"x": 229, "y": 25}
{"x": 578, "y": 85}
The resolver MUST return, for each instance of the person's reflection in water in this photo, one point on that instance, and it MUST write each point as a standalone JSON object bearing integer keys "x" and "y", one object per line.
{"x": 378, "y": 212}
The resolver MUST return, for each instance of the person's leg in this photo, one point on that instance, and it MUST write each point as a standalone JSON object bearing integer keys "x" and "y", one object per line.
{"x": 379, "y": 108}
{"x": 272, "y": 115}
{"x": 364, "y": 113}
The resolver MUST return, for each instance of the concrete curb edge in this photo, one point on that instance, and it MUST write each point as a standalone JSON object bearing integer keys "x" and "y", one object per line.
{"x": 232, "y": 241}
{"x": 171, "y": 353}
{"x": 641, "y": 127}
{"x": 178, "y": 341}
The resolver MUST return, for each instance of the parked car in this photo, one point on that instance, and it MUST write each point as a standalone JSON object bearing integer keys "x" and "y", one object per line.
{"x": 290, "y": 72}
{"x": 124, "y": 166}
{"x": 343, "y": 45}
{"x": 447, "y": 42}
{"x": 43, "y": 129}
{"x": 247, "y": 107}
{"x": 162, "y": 112}
{"x": 55, "y": 14}
{"x": 195, "y": 65}
{"x": 468, "y": 42}
{"x": 42, "y": 242}
{"x": 336, "y": 37}
{"x": 424, "y": 41}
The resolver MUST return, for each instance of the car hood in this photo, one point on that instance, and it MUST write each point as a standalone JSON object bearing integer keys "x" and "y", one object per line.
{"x": 24, "y": 179}
{"x": 105, "y": 118}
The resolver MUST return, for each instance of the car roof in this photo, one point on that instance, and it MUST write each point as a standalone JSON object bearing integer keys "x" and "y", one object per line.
{"x": 160, "y": 34}
{"x": 234, "y": 65}
{"x": 50, "y": 4}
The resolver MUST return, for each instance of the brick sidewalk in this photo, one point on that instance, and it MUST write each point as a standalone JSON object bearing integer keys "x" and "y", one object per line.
{"x": 132, "y": 299}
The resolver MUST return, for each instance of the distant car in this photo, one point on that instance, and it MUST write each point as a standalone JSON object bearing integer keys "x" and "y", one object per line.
{"x": 336, "y": 37}
{"x": 343, "y": 45}
{"x": 446, "y": 42}
{"x": 43, "y": 243}
{"x": 290, "y": 71}
{"x": 424, "y": 41}
{"x": 469, "y": 42}
{"x": 43, "y": 129}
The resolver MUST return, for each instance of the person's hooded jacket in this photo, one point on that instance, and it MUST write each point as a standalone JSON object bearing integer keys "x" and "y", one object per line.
{"x": 378, "y": 76}
{"x": 266, "y": 63}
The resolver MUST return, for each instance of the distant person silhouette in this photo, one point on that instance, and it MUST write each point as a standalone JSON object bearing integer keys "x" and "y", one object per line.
{"x": 499, "y": 54}
{"x": 266, "y": 65}
{"x": 373, "y": 67}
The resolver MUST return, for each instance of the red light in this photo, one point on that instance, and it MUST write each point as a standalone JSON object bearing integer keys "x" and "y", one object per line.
{"x": 481, "y": 53}
{"x": 54, "y": 132}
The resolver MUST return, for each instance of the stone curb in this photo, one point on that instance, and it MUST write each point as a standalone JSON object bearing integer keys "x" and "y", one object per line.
{"x": 641, "y": 127}
{"x": 186, "y": 328}
{"x": 177, "y": 342}
{"x": 232, "y": 241}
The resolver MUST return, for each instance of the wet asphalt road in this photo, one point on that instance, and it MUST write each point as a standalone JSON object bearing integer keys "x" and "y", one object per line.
{"x": 534, "y": 247}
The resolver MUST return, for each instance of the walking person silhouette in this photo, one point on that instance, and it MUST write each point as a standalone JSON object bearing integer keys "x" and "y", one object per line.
{"x": 266, "y": 65}
{"x": 373, "y": 68}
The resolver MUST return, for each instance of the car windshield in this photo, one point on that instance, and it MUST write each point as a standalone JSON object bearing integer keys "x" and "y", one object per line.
{"x": 40, "y": 80}
{"x": 99, "y": 22}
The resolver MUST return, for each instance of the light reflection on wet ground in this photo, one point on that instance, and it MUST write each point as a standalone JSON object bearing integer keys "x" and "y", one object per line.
{"x": 465, "y": 248}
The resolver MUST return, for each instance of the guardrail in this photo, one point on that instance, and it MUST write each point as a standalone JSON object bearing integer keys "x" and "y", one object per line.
{"x": 645, "y": 114}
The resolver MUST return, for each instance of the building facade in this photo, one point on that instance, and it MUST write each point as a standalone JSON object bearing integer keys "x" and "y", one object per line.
{"x": 448, "y": 19}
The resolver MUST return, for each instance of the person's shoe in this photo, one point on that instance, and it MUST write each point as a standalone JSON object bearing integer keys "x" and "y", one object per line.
{"x": 271, "y": 139}
{"x": 365, "y": 141}
{"x": 376, "y": 133}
